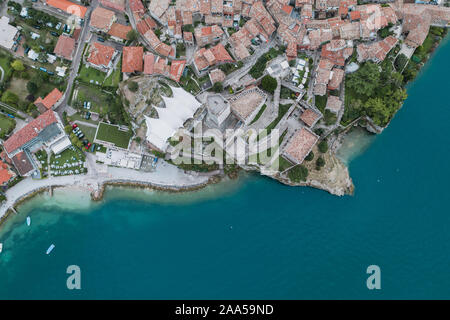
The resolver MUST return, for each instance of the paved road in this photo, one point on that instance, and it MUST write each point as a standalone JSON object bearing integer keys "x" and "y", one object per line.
{"x": 77, "y": 57}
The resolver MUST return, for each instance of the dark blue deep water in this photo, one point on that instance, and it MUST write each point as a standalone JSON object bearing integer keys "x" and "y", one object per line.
{"x": 256, "y": 238}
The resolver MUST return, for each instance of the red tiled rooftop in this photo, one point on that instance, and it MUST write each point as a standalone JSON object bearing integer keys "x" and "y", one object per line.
{"x": 309, "y": 117}
{"x": 149, "y": 61}
{"x": 300, "y": 145}
{"x": 132, "y": 59}
{"x": 65, "y": 47}
{"x": 50, "y": 99}
{"x": 30, "y": 131}
{"x": 101, "y": 18}
{"x": 100, "y": 55}
{"x": 176, "y": 69}
{"x": 119, "y": 31}
{"x": 68, "y": 7}
{"x": 5, "y": 173}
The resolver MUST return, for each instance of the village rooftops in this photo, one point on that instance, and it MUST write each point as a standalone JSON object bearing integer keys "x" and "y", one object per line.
{"x": 119, "y": 31}
{"x": 149, "y": 62}
{"x": 22, "y": 163}
{"x": 216, "y": 75}
{"x": 158, "y": 7}
{"x": 5, "y": 173}
{"x": 132, "y": 60}
{"x": 300, "y": 145}
{"x": 100, "y": 55}
{"x": 68, "y": 7}
{"x": 246, "y": 104}
{"x": 65, "y": 47}
{"x": 30, "y": 131}
{"x": 49, "y": 101}
{"x": 310, "y": 117}
{"x": 334, "y": 104}
{"x": 114, "y": 4}
{"x": 136, "y": 6}
{"x": 176, "y": 69}
{"x": 102, "y": 19}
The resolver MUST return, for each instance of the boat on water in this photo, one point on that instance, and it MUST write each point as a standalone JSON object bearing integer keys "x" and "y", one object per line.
{"x": 28, "y": 221}
{"x": 1, "y": 247}
{"x": 50, "y": 249}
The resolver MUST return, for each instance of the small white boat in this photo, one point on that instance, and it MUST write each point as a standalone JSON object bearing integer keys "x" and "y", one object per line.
{"x": 28, "y": 221}
{"x": 1, "y": 247}
{"x": 50, "y": 249}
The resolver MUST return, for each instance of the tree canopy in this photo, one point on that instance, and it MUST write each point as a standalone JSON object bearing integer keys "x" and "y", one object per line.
{"x": 365, "y": 80}
{"x": 269, "y": 84}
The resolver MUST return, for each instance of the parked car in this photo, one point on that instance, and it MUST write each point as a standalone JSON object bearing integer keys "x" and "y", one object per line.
{"x": 74, "y": 125}
{"x": 87, "y": 116}
{"x": 58, "y": 26}
{"x": 100, "y": 39}
{"x": 55, "y": 34}
{"x": 85, "y": 142}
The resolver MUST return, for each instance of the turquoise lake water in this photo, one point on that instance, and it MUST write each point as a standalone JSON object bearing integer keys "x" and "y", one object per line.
{"x": 255, "y": 238}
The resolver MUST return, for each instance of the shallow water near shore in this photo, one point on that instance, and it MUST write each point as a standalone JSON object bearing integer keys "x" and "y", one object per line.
{"x": 254, "y": 237}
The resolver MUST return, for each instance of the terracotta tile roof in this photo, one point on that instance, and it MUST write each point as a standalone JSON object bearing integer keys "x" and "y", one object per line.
{"x": 355, "y": 15}
{"x": 309, "y": 116}
{"x": 76, "y": 33}
{"x": 102, "y": 18}
{"x": 50, "y": 99}
{"x": 217, "y": 75}
{"x": 176, "y": 69}
{"x": 22, "y": 163}
{"x": 68, "y": 7}
{"x": 100, "y": 55}
{"x": 221, "y": 54}
{"x": 187, "y": 17}
{"x": 334, "y": 104}
{"x": 164, "y": 49}
{"x": 288, "y": 9}
{"x": 30, "y": 131}
{"x": 114, "y": 4}
{"x": 65, "y": 47}
{"x": 5, "y": 173}
{"x": 132, "y": 60}
{"x": 149, "y": 61}
{"x": 336, "y": 79}
{"x": 300, "y": 145}
{"x": 119, "y": 31}
{"x": 160, "y": 66}
{"x": 136, "y": 6}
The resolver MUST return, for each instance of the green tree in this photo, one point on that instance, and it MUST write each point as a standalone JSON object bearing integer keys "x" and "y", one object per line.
{"x": 10, "y": 98}
{"x": 132, "y": 35}
{"x": 133, "y": 86}
{"x": 323, "y": 146}
{"x": 298, "y": 173}
{"x": 365, "y": 80}
{"x": 320, "y": 162}
{"x": 217, "y": 87}
{"x": 269, "y": 84}
{"x": 376, "y": 109}
{"x": 310, "y": 156}
{"x": 32, "y": 87}
{"x": 68, "y": 129}
{"x": 17, "y": 65}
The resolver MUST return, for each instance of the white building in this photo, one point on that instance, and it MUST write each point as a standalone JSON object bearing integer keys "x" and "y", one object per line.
{"x": 8, "y": 33}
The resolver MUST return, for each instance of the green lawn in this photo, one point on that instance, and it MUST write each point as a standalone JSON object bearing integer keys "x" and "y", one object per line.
{"x": 98, "y": 98}
{"x": 87, "y": 75}
{"x": 112, "y": 134}
{"x": 89, "y": 132}
{"x": 114, "y": 78}
{"x": 6, "y": 125}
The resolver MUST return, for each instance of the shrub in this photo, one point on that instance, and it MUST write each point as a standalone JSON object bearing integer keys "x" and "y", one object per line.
{"x": 298, "y": 173}
{"x": 310, "y": 156}
{"x": 323, "y": 146}
{"x": 269, "y": 84}
{"x": 320, "y": 162}
{"x": 133, "y": 86}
